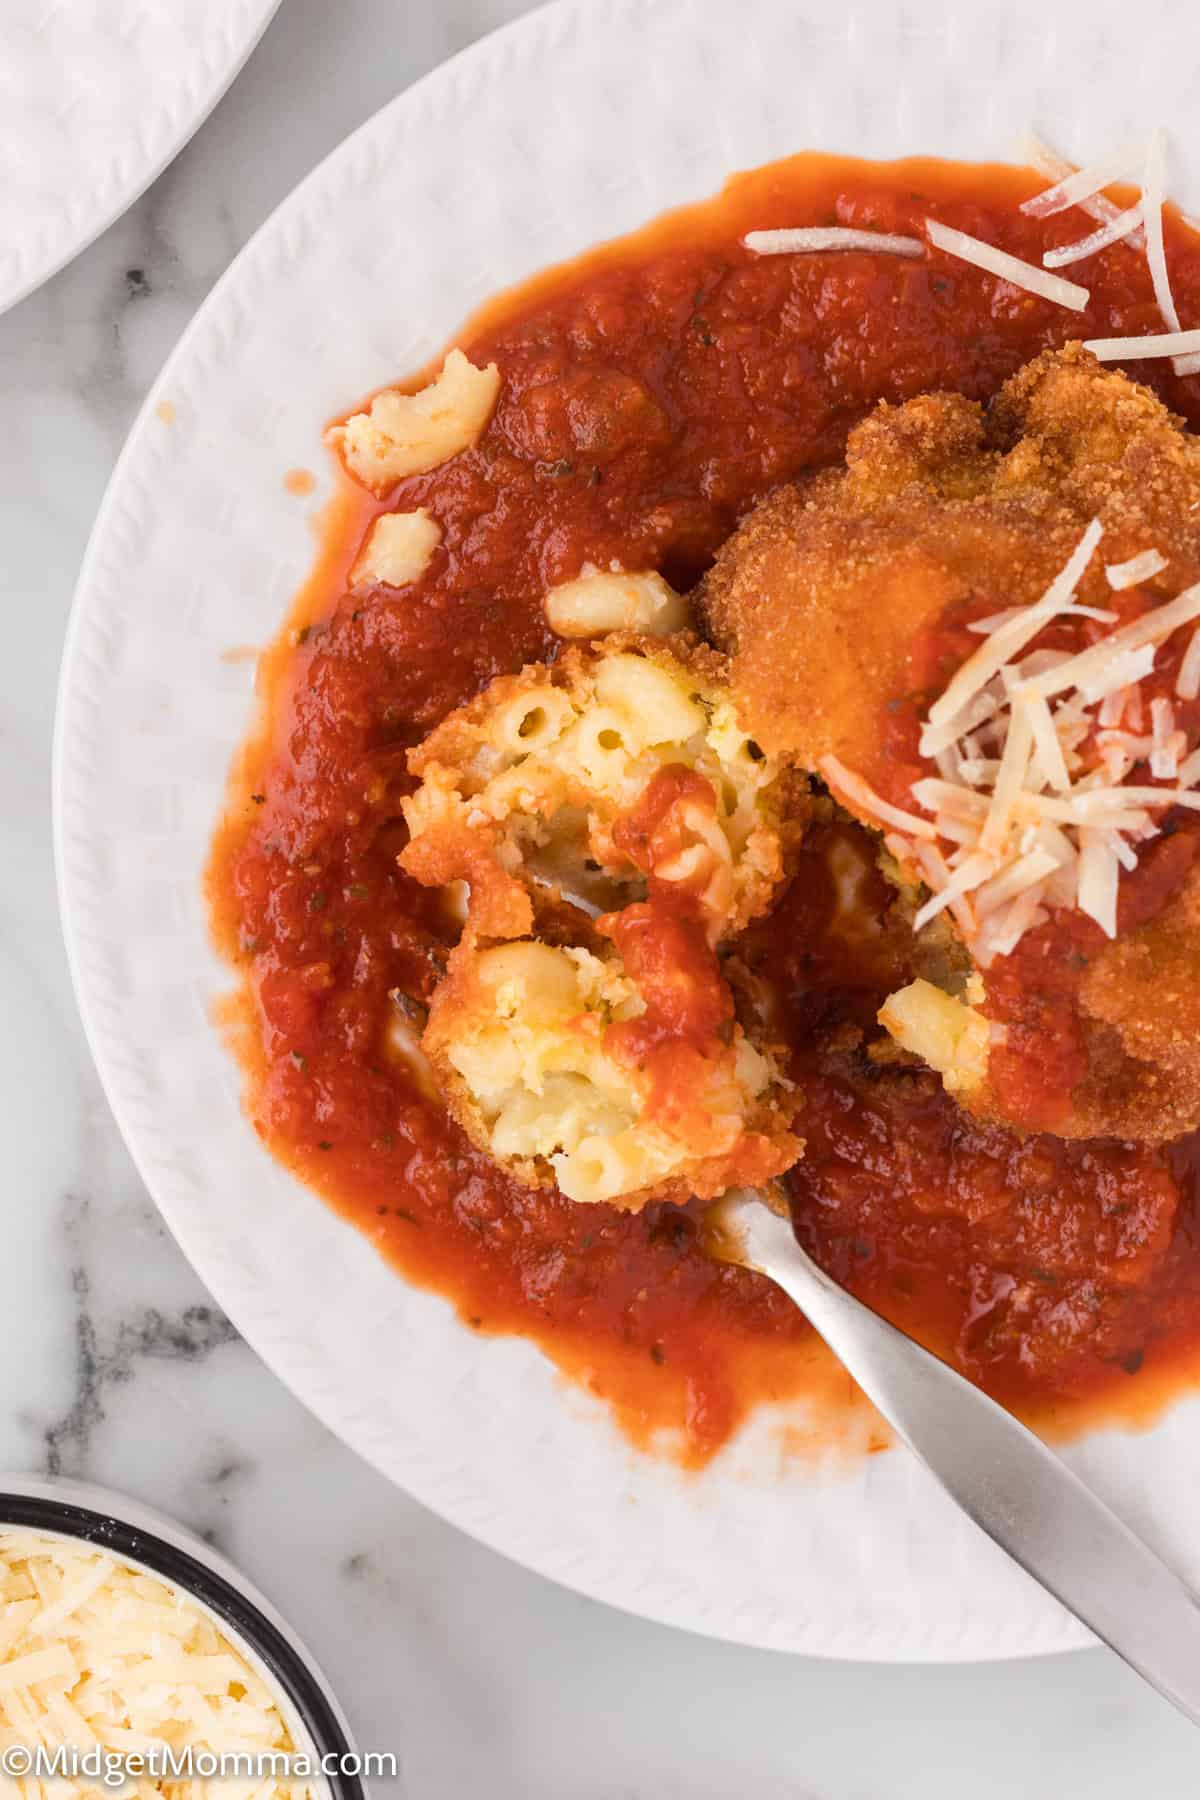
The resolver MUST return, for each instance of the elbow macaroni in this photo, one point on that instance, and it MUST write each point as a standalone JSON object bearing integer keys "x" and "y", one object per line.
{"x": 398, "y": 549}
{"x": 948, "y": 1034}
{"x": 409, "y": 434}
{"x": 602, "y": 600}
{"x": 521, "y": 1035}
{"x": 539, "y": 783}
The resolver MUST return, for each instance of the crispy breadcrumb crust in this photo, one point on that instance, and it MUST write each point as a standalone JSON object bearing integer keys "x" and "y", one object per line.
{"x": 1141, "y": 1000}
{"x": 765, "y": 1146}
{"x": 819, "y": 596}
{"x": 451, "y": 840}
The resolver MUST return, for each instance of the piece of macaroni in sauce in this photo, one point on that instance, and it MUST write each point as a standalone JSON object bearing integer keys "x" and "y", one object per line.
{"x": 619, "y": 771}
{"x": 620, "y": 1072}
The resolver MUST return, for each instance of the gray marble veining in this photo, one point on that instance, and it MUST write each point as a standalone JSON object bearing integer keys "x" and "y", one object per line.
{"x": 114, "y": 1362}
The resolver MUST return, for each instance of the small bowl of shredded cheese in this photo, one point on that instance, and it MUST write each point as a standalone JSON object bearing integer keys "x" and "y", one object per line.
{"x": 135, "y": 1659}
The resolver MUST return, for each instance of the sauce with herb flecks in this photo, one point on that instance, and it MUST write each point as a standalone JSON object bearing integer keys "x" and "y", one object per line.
{"x": 651, "y": 392}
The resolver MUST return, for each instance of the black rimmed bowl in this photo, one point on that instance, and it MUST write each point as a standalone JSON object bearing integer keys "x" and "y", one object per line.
{"x": 137, "y": 1535}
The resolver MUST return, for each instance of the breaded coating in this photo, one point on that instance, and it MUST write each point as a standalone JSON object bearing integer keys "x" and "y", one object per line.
{"x": 619, "y": 769}
{"x": 823, "y": 600}
{"x": 818, "y": 598}
{"x": 1141, "y": 1000}
{"x": 621, "y": 1072}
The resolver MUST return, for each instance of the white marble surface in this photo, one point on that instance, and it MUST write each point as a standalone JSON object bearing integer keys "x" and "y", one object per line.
{"x": 115, "y": 1364}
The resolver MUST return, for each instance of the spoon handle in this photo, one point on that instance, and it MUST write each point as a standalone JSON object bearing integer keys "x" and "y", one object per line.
{"x": 1025, "y": 1498}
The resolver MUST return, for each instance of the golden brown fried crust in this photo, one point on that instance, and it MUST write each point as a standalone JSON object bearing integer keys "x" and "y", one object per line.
{"x": 457, "y": 998}
{"x": 766, "y": 1147}
{"x": 1143, "y": 995}
{"x": 454, "y": 738}
{"x": 821, "y": 605}
{"x": 465, "y": 845}
{"x": 502, "y": 905}
{"x": 1105, "y": 446}
{"x": 818, "y": 599}
{"x": 819, "y": 596}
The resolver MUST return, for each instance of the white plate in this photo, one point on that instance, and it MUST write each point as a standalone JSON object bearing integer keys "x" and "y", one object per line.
{"x": 96, "y": 97}
{"x": 574, "y": 124}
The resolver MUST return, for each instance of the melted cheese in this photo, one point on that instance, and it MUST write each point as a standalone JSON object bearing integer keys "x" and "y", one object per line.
{"x": 946, "y": 1033}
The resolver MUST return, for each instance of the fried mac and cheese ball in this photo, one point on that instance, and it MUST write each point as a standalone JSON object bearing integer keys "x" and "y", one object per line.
{"x": 827, "y": 601}
{"x": 621, "y": 767}
{"x": 820, "y": 595}
{"x": 621, "y": 1073}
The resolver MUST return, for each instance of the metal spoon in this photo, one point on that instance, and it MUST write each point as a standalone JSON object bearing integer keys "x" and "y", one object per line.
{"x": 1000, "y": 1474}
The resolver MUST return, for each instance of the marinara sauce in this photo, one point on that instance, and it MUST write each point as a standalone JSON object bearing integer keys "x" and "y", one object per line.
{"x": 651, "y": 392}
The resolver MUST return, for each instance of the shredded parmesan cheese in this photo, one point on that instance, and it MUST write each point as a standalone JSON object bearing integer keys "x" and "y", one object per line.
{"x": 1032, "y": 808}
{"x": 1141, "y": 224}
{"x": 1187, "y": 682}
{"x": 1003, "y": 932}
{"x": 1011, "y": 638}
{"x": 806, "y": 239}
{"x": 1010, "y": 778}
{"x": 1056, "y": 168}
{"x": 861, "y": 795}
{"x": 1112, "y": 708}
{"x": 1047, "y": 747}
{"x": 1099, "y": 875}
{"x": 993, "y": 623}
{"x": 1009, "y": 268}
{"x": 1125, "y": 671}
{"x": 1123, "y": 225}
{"x": 972, "y": 872}
{"x": 1164, "y": 751}
{"x": 1153, "y": 195}
{"x": 936, "y": 871}
{"x": 937, "y": 796}
{"x": 1094, "y": 670}
{"x": 1025, "y": 873}
{"x": 96, "y": 1653}
{"x": 1084, "y": 184}
{"x": 1141, "y": 349}
{"x": 1138, "y": 568}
